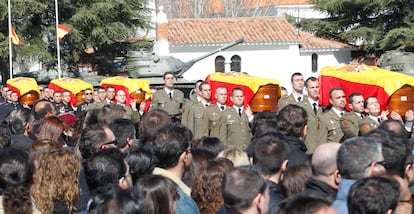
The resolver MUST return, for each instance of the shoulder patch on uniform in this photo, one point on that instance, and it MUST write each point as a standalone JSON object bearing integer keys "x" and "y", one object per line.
{"x": 345, "y": 122}
{"x": 365, "y": 128}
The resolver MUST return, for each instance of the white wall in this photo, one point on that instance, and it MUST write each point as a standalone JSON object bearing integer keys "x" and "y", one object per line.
{"x": 279, "y": 63}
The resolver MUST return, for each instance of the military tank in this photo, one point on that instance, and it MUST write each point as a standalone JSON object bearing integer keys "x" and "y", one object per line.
{"x": 137, "y": 65}
{"x": 397, "y": 60}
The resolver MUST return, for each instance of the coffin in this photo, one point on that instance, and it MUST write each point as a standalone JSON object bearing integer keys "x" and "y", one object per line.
{"x": 402, "y": 100}
{"x": 75, "y": 86}
{"x": 262, "y": 94}
{"x": 26, "y": 88}
{"x": 137, "y": 89}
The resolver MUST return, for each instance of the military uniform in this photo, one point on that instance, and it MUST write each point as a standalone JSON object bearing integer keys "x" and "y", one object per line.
{"x": 289, "y": 100}
{"x": 98, "y": 105}
{"x": 350, "y": 124}
{"x": 63, "y": 108}
{"x": 130, "y": 114}
{"x": 235, "y": 130}
{"x": 82, "y": 107}
{"x": 161, "y": 100}
{"x": 367, "y": 124}
{"x": 313, "y": 138}
{"x": 329, "y": 127}
{"x": 195, "y": 120}
{"x": 213, "y": 119}
{"x": 7, "y": 108}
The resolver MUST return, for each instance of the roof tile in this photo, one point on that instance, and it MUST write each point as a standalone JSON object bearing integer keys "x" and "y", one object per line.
{"x": 252, "y": 29}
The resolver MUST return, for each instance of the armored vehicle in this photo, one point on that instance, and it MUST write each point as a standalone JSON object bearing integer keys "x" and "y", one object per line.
{"x": 397, "y": 60}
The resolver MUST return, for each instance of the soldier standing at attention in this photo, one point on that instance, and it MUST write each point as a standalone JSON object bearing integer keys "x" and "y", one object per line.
{"x": 194, "y": 99}
{"x": 350, "y": 120}
{"x": 235, "y": 129}
{"x": 374, "y": 117}
{"x": 297, "y": 92}
{"x": 169, "y": 99}
{"x": 196, "y": 112}
{"x": 329, "y": 126}
{"x": 314, "y": 111}
{"x": 213, "y": 114}
{"x": 65, "y": 107}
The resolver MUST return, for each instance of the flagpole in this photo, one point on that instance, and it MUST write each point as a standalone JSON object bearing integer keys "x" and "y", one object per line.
{"x": 57, "y": 38}
{"x": 10, "y": 44}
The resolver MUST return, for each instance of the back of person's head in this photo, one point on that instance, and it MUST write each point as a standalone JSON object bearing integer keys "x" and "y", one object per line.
{"x": 106, "y": 167}
{"x": 171, "y": 141}
{"x": 150, "y": 122}
{"x": 109, "y": 113}
{"x": 291, "y": 121}
{"x": 111, "y": 199}
{"x": 159, "y": 194}
{"x": 237, "y": 156}
{"x": 5, "y": 136}
{"x": 19, "y": 119}
{"x": 395, "y": 126}
{"x": 324, "y": 159}
{"x": 124, "y": 130}
{"x": 240, "y": 187}
{"x": 295, "y": 177}
{"x": 59, "y": 170}
{"x": 305, "y": 204}
{"x": 16, "y": 174}
{"x": 355, "y": 155}
{"x": 199, "y": 159}
{"x": 211, "y": 144}
{"x": 51, "y": 128}
{"x": 271, "y": 152}
{"x": 394, "y": 149}
{"x": 264, "y": 126}
{"x": 262, "y": 121}
{"x": 373, "y": 195}
{"x": 140, "y": 161}
{"x": 42, "y": 109}
{"x": 91, "y": 139}
{"x": 39, "y": 146}
{"x": 206, "y": 188}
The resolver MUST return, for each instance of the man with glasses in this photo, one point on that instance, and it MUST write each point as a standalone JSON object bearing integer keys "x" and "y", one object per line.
{"x": 357, "y": 158}
{"x": 88, "y": 97}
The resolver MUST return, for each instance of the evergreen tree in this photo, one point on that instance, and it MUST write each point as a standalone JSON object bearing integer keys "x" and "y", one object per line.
{"x": 377, "y": 25}
{"x": 103, "y": 25}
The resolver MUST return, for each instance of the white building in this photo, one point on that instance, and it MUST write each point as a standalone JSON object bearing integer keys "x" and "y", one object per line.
{"x": 272, "y": 47}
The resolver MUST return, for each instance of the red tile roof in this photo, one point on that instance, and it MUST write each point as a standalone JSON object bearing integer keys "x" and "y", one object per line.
{"x": 252, "y": 29}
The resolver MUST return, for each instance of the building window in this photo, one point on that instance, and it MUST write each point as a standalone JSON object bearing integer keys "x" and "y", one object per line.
{"x": 235, "y": 63}
{"x": 219, "y": 64}
{"x": 314, "y": 63}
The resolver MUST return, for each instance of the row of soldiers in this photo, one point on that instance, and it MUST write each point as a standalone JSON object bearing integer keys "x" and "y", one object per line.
{"x": 337, "y": 124}
{"x": 228, "y": 123}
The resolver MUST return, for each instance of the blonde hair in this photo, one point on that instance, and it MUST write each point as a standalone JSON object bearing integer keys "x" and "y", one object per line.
{"x": 237, "y": 156}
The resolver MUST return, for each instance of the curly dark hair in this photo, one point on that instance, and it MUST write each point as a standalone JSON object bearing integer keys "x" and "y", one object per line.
{"x": 206, "y": 189}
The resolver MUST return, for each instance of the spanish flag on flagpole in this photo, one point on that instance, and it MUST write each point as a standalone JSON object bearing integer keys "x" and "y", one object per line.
{"x": 13, "y": 37}
{"x": 62, "y": 31}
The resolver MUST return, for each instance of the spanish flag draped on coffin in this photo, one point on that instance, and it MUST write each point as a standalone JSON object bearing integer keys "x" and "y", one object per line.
{"x": 26, "y": 88}
{"x": 260, "y": 93}
{"x": 137, "y": 89}
{"x": 368, "y": 80}
{"x": 75, "y": 86}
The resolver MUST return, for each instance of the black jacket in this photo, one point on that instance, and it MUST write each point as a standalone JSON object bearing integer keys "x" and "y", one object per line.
{"x": 320, "y": 188}
{"x": 297, "y": 151}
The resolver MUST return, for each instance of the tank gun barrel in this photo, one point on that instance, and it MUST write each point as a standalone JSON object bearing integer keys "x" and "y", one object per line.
{"x": 187, "y": 65}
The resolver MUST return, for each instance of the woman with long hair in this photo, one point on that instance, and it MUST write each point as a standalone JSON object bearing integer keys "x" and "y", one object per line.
{"x": 52, "y": 128}
{"x": 16, "y": 173}
{"x": 159, "y": 194}
{"x": 56, "y": 180}
{"x": 206, "y": 189}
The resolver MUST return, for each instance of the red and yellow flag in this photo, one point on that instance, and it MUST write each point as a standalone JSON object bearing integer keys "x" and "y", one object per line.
{"x": 13, "y": 37}
{"x": 62, "y": 31}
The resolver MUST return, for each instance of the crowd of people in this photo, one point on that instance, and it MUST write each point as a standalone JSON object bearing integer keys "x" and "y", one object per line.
{"x": 189, "y": 155}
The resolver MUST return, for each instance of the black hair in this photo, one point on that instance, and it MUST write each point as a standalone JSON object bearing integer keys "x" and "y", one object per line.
{"x": 140, "y": 161}
{"x": 5, "y": 136}
{"x": 123, "y": 129}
